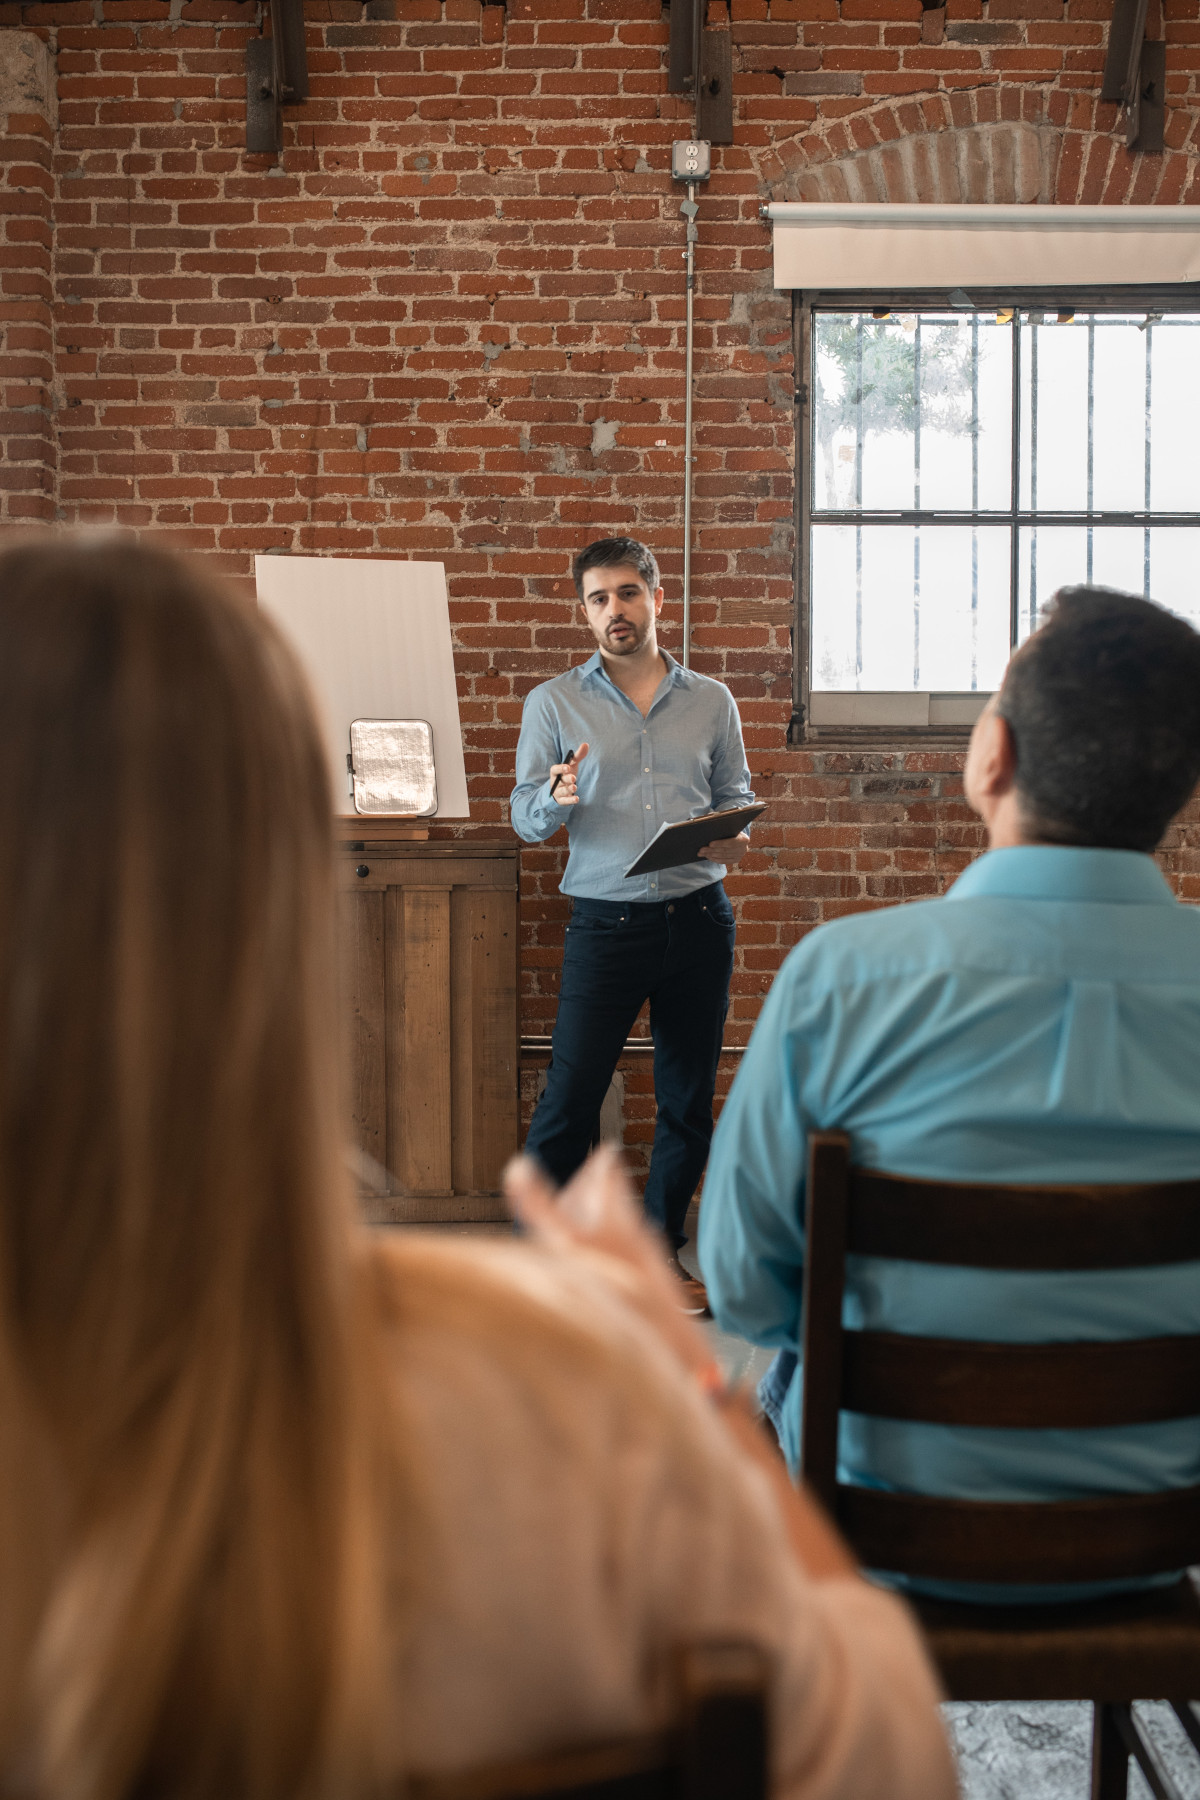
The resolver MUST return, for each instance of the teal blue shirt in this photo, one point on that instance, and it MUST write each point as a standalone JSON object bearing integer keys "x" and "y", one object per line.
{"x": 1040, "y": 1023}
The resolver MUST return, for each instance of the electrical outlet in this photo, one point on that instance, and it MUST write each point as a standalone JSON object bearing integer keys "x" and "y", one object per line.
{"x": 691, "y": 159}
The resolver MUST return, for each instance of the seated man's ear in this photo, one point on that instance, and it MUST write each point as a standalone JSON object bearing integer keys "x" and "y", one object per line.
{"x": 991, "y": 767}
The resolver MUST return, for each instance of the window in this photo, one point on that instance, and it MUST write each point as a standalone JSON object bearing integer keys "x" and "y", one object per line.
{"x": 955, "y": 466}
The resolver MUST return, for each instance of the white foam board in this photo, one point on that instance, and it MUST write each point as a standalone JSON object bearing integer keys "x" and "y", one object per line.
{"x": 374, "y": 639}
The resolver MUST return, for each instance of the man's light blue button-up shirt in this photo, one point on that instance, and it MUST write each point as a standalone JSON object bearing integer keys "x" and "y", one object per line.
{"x": 684, "y": 758}
{"x": 1041, "y": 1023}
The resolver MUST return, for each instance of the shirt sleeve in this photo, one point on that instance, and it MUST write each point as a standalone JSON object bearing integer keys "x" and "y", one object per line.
{"x": 751, "y": 1239}
{"x": 594, "y": 1513}
{"x": 534, "y": 814}
{"x": 730, "y": 771}
{"x": 853, "y": 1700}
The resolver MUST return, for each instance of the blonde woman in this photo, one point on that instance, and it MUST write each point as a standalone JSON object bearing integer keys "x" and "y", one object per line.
{"x": 286, "y": 1508}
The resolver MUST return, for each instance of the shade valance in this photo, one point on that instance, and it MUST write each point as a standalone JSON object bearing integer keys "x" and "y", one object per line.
{"x": 825, "y": 245}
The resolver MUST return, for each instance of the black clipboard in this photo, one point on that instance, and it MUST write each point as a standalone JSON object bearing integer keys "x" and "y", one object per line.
{"x": 675, "y": 844}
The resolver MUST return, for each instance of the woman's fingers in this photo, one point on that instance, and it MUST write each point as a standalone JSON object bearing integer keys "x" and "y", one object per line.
{"x": 599, "y": 1196}
{"x": 530, "y": 1198}
{"x": 595, "y": 1207}
{"x": 596, "y": 1215}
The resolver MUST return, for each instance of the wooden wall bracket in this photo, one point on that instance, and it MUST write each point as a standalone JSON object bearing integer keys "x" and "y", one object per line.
{"x": 276, "y": 75}
{"x": 1135, "y": 77}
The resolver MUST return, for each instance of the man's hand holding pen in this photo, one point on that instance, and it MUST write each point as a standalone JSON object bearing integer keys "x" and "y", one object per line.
{"x": 563, "y": 777}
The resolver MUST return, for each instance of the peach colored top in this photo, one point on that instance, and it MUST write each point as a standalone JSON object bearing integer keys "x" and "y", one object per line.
{"x": 585, "y": 1511}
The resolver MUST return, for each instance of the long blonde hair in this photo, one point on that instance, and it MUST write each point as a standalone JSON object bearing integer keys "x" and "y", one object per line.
{"x": 189, "y": 1514}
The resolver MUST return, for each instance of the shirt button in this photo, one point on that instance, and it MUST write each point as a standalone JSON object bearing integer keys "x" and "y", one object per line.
{"x": 646, "y": 770}
{"x": 647, "y": 806}
{"x": 670, "y": 909}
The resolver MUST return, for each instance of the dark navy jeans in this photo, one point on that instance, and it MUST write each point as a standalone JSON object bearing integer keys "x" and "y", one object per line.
{"x": 678, "y": 954}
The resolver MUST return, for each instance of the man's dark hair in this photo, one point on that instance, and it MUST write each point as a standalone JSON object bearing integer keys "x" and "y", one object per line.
{"x": 1103, "y": 703}
{"x": 607, "y": 553}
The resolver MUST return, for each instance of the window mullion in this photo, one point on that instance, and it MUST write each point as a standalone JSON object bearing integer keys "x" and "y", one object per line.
{"x": 1146, "y": 487}
{"x": 1137, "y": 520}
{"x": 1091, "y": 434}
{"x": 1014, "y": 563}
{"x": 804, "y": 417}
{"x": 1034, "y": 429}
{"x": 974, "y": 500}
{"x": 858, "y": 494}
{"x": 917, "y": 504}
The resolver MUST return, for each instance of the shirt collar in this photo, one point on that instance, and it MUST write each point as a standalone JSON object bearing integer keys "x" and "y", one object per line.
{"x": 594, "y": 665}
{"x": 1063, "y": 872}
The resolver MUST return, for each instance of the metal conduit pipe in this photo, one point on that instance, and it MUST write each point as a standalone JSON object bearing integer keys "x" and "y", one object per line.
{"x": 691, "y": 164}
{"x": 690, "y": 258}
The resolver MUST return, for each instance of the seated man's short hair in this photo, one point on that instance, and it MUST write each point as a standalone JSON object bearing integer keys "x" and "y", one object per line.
{"x": 1103, "y": 703}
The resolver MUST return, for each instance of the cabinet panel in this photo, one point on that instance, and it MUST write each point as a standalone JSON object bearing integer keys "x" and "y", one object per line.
{"x": 362, "y": 979}
{"x": 429, "y": 987}
{"x": 483, "y": 1004}
{"x": 421, "y": 1149}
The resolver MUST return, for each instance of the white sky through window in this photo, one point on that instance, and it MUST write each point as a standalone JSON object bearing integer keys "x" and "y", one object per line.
{"x": 913, "y": 415}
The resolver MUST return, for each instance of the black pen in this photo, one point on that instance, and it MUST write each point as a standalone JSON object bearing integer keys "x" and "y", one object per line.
{"x": 569, "y": 758}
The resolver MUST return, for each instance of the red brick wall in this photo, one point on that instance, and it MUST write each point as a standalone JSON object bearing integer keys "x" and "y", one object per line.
{"x": 448, "y": 324}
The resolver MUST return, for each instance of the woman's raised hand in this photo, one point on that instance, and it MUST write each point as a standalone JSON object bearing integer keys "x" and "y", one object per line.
{"x": 596, "y": 1215}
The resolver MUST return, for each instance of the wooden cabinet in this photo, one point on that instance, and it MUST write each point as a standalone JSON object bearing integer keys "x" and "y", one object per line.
{"x": 428, "y": 959}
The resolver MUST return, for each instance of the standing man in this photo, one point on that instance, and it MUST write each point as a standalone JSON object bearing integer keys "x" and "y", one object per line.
{"x": 613, "y": 749}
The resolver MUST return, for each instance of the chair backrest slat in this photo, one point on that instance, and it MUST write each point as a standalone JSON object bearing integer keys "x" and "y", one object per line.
{"x": 988, "y": 1227}
{"x": 1009, "y": 1541}
{"x": 722, "y": 1740}
{"x": 1001, "y": 1386}
{"x": 1034, "y": 1387}
{"x": 824, "y": 1272}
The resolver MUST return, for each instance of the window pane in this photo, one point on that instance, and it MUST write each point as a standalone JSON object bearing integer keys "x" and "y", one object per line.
{"x": 911, "y": 411}
{"x": 1119, "y": 415}
{"x": 1054, "y": 417}
{"x": 1091, "y": 391}
{"x": 901, "y": 607}
{"x": 1162, "y": 563}
{"x": 1174, "y": 404}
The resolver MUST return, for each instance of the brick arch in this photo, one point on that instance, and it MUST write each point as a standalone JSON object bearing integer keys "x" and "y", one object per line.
{"x": 961, "y": 146}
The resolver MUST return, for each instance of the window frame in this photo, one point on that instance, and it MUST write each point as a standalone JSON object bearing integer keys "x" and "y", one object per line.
{"x": 903, "y": 715}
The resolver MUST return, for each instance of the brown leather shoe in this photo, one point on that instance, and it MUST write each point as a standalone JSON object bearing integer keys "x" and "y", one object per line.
{"x": 692, "y": 1297}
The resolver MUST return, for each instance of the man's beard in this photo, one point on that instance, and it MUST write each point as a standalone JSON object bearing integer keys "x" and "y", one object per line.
{"x": 625, "y": 646}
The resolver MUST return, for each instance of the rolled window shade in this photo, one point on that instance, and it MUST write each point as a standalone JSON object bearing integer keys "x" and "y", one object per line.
{"x": 825, "y": 246}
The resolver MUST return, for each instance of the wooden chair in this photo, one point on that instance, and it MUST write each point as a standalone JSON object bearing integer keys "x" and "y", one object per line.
{"x": 1145, "y": 1646}
{"x": 717, "y": 1749}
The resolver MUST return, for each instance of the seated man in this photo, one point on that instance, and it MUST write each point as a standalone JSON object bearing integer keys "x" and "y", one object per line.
{"x": 1040, "y": 1023}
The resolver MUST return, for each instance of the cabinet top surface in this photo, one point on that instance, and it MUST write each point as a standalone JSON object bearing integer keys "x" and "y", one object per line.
{"x": 444, "y": 849}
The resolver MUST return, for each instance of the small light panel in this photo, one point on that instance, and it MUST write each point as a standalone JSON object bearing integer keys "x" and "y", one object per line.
{"x": 691, "y": 159}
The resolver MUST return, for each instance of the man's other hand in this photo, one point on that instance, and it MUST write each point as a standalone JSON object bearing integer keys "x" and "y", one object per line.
{"x": 726, "y": 850}
{"x": 566, "y": 793}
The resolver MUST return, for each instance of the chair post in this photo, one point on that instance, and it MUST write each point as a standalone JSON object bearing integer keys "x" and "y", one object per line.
{"x": 827, "y": 1211}
{"x": 1110, "y": 1757}
{"x": 724, "y": 1751}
